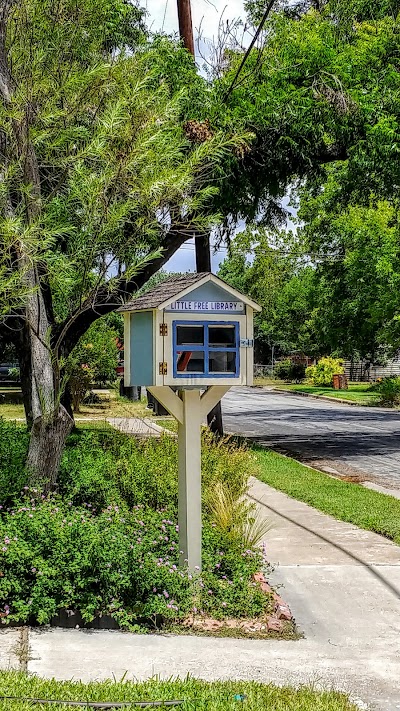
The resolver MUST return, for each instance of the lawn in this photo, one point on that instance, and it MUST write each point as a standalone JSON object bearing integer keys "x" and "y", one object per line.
{"x": 110, "y": 405}
{"x": 345, "y": 501}
{"x": 357, "y": 392}
{"x": 189, "y": 694}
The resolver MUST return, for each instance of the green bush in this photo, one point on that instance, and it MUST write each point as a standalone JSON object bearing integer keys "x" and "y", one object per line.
{"x": 389, "y": 391}
{"x": 117, "y": 562}
{"x": 102, "y": 467}
{"x": 289, "y": 371}
{"x": 322, "y": 373}
{"x": 14, "y": 440}
{"x": 107, "y": 543}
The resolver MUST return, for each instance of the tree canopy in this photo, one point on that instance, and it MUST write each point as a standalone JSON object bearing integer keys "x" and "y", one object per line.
{"x": 114, "y": 151}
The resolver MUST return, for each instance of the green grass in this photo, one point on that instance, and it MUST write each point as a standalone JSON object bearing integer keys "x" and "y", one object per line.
{"x": 169, "y": 423}
{"x": 345, "y": 501}
{"x": 196, "y": 695}
{"x": 12, "y": 412}
{"x": 357, "y": 392}
{"x": 111, "y": 405}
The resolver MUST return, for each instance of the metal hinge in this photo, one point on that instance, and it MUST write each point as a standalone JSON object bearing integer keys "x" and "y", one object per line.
{"x": 246, "y": 342}
{"x": 162, "y": 368}
{"x": 163, "y": 329}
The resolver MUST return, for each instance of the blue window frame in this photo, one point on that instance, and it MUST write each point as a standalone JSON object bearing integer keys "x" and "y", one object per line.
{"x": 203, "y": 353}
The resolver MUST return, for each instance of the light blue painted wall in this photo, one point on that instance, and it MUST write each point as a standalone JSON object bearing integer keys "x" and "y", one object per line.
{"x": 210, "y": 292}
{"x": 142, "y": 351}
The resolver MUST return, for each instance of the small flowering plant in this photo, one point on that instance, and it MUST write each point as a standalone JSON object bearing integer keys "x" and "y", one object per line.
{"x": 107, "y": 544}
{"x": 118, "y": 562}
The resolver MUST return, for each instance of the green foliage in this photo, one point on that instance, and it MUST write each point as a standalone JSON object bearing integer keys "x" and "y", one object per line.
{"x": 323, "y": 372}
{"x": 289, "y": 371}
{"x": 14, "y": 441}
{"x": 321, "y": 89}
{"x": 357, "y": 274}
{"x": 389, "y": 391}
{"x": 108, "y": 542}
{"x": 323, "y": 96}
{"x": 79, "y": 383}
{"x": 102, "y": 467}
{"x": 195, "y": 694}
{"x": 93, "y": 360}
{"x": 114, "y": 164}
{"x": 276, "y": 278}
{"x": 236, "y": 516}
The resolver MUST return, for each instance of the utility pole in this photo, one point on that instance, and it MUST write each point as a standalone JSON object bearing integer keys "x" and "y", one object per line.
{"x": 186, "y": 25}
{"x": 202, "y": 242}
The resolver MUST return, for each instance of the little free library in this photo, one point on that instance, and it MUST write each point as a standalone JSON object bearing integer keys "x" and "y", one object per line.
{"x": 189, "y": 340}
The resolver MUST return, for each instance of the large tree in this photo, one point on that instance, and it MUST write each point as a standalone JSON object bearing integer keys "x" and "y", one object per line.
{"x": 113, "y": 150}
{"x": 322, "y": 96}
{"x": 100, "y": 184}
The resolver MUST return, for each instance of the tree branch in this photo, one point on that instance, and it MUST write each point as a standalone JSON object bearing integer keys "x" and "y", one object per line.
{"x": 105, "y": 301}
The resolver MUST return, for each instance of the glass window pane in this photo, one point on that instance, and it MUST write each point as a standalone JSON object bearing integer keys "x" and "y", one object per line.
{"x": 190, "y": 335}
{"x": 190, "y": 362}
{"x": 221, "y": 336}
{"x": 222, "y": 362}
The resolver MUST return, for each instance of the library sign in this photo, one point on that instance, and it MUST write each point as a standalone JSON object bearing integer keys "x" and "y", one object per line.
{"x": 208, "y": 306}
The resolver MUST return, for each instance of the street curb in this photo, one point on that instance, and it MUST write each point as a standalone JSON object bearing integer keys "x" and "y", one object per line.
{"x": 329, "y": 399}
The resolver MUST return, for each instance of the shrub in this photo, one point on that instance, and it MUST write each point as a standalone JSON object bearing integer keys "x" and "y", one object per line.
{"x": 108, "y": 542}
{"x": 389, "y": 391}
{"x": 322, "y": 373}
{"x": 109, "y": 467}
{"x": 289, "y": 371}
{"x": 117, "y": 562}
{"x": 79, "y": 384}
{"x": 14, "y": 441}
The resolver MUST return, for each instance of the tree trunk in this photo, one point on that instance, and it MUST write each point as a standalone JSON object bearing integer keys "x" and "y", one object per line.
{"x": 51, "y": 421}
{"x": 40, "y": 366}
{"x": 47, "y": 442}
{"x": 24, "y": 358}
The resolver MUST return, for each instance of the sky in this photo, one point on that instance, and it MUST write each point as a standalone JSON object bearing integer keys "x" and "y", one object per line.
{"x": 163, "y": 16}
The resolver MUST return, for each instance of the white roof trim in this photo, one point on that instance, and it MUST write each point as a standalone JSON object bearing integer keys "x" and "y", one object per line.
{"x": 215, "y": 280}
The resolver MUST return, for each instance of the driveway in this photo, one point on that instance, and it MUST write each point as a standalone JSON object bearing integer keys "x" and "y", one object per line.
{"x": 363, "y": 442}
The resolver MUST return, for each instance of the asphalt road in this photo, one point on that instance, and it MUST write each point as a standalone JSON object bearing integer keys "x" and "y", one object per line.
{"x": 359, "y": 442}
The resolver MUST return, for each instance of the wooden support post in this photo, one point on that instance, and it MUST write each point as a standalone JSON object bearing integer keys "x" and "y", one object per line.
{"x": 189, "y": 467}
{"x": 190, "y": 408}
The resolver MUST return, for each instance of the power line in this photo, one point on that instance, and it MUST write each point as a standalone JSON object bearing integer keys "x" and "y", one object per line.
{"x": 250, "y": 47}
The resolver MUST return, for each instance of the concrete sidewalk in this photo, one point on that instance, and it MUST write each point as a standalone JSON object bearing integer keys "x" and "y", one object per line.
{"x": 342, "y": 583}
{"x": 138, "y": 426}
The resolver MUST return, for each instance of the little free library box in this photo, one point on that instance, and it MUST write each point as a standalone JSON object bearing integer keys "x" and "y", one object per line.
{"x": 190, "y": 330}
{"x": 188, "y": 340}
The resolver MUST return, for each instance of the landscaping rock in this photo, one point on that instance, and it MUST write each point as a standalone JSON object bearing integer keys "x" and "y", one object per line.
{"x": 265, "y": 587}
{"x": 275, "y": 625}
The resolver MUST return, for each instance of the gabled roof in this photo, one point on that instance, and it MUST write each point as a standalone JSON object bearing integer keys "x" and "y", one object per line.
{"x": 176, "y": 287}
